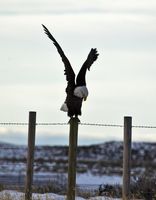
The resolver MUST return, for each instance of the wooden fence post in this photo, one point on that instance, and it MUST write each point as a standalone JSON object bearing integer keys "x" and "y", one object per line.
{"x": 30, "y": 155}
{"x": 127, "y": 158}
{"x": 73, "y": 135}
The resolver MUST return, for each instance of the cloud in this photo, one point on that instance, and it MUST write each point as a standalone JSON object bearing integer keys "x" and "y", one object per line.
{"x": 77, "y": 7}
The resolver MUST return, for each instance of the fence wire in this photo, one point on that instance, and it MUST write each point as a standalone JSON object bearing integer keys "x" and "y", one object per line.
{"x": 83, "y": 124}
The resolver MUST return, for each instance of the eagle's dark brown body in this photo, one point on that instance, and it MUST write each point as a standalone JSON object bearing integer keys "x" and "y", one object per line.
{"x": 74, "y": 105}
{"x": 76, "y": 92}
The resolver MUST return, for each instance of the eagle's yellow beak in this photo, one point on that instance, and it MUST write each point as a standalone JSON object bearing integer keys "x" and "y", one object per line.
{"x": 85, "y": 98}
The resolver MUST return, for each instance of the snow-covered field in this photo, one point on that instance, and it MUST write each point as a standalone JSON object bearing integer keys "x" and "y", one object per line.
{"x": 14, "y": 195}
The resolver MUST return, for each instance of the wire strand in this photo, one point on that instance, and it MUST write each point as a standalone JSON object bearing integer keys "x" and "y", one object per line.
{"x": 83, "y": 124}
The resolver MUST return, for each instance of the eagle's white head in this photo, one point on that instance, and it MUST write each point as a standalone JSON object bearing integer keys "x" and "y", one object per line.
{"x": 81, "y": 92}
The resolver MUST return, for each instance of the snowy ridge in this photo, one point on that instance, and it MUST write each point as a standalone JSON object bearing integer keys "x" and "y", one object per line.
{"x": 99, "y": 159}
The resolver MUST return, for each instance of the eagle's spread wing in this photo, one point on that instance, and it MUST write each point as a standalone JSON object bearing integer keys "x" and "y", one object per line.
{"x": 70, "y": 75}
{"x": 92, "y": 56}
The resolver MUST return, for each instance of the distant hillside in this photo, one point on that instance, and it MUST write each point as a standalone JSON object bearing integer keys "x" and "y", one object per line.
{"x": 103, "y": 158}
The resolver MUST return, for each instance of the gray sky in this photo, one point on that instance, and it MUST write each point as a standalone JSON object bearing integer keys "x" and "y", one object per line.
{"x": 121, "y": 82}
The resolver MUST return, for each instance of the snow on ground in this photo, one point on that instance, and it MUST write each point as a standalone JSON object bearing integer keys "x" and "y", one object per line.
{"x": 14, "y": 195}
{"x": 88, "y": 178}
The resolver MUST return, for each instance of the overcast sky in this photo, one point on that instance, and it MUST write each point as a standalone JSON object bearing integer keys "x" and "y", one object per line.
{"x": 121, "y": 82}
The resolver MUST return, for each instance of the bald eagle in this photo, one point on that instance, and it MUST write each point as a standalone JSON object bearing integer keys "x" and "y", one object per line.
{"x": 76, "y": 92}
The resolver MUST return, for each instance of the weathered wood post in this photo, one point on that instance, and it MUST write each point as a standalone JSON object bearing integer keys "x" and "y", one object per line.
{"x": 127, "y": 158}
{"x": 30, "y": 155}
{"x": 73, "y": 135}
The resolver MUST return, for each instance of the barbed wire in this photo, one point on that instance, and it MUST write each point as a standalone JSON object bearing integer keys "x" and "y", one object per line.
{"x": 13, "y": 124}
{"x": 26, "y": 124}
{"x": 150, "y": 127}
{"x": 99, "y": 124}
{"x": 116, "y": 125}
{"x": 63, "y": 124}
{"x": 51, "y": 124}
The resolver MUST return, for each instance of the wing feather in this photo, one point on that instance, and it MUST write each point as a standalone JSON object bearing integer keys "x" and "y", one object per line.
{"x": 92, "y": 56}
{"x": 70, "y": 75}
